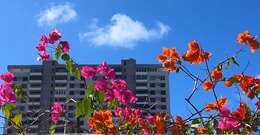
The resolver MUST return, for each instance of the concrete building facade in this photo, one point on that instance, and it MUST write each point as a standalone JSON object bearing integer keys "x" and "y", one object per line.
{"x": 49, "y": 82}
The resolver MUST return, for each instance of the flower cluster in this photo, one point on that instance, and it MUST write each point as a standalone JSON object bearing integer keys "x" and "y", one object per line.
{"x": 246, "y": 38}
{"x": 113, "y": 89}
{"x": 102, "y": 122}
{"x": 194, "y": 55}
{"x": 56, "y": 112}
{"x": 44, "y": 42}
{"x": 7, "y": 95}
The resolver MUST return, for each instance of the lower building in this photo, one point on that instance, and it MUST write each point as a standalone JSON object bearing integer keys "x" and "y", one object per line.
{"x": 49, "y": 82}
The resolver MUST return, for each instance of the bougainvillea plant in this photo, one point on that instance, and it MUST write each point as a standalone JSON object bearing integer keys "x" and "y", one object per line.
{"x": 108, "y": 105}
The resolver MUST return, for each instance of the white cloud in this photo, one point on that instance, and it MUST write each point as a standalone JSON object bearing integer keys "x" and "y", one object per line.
{"x": 258, "y": 76}
{"x": 57, "y": 14}
{"x": 122, "y": 31}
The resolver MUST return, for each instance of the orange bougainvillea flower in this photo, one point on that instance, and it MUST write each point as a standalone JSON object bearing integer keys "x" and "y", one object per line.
{"x": 216, "y": 74}
{"x": 170, "y": 65}
{"x": 171, "y": 53}
{"x": 178, "y": 127}
{"x": 245, "y": 37}
{"x": 169, "y": 58}
{"x": 161, "y": 58}
{"x": 207, "y": 85}
{"x": 221, "y": 102}
{"x": 195, "y": 55}
{"x": 160, "y": 125}
{"x": 241, "y": 111}
{"x": 201, "y": 130}
{"x": 228, "y": 83}
{"x": 102, "y": 122}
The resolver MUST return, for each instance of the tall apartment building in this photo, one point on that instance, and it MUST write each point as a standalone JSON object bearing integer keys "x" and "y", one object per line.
{"x": 50, "y": 82}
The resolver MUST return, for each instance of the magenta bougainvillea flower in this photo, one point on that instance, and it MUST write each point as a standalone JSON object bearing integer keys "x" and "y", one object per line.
{"x": 7, "y": 77}
{"x": 111, "y": 74}
{"x": 6, "y": 94}
{"x": 65, "y": 47}
{"x": 88, "y": 72}
{"x": 101, "y": 84}
{"x": 44, "y": 56}
{"x": 226, "y": 120}
{"x": 102, "y": 68}
{"x": 41, "y": 47}
{"x": 54, "y": 36}
{"x": 56, "y": 112}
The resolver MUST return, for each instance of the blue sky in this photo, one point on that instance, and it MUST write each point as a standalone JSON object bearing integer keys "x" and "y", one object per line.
{"x": 111, "y": 30}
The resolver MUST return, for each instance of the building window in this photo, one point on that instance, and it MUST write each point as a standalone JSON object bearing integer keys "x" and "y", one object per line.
{"x": 152, "y": 99}
{"x": 152, "y": 85}
{"x": 163, "y": 92}
{"x": 60, "y": 84}
{"x": 141, "y": 84}
{"x": 61, "y": 77}
{"x": 152, "y": 92}
{"x": 163, "y": 107}
{"x": 82, "y": 92}
{"x": 72, "y": 78}
{"x": 141, "y": 77}
{"x": 61, "y": 69}
{"x": 35, "y": 92}
{"x": 72, "y": 85}
{"x": 34, "y": 99}
{"x": 25, "y": 78}
{"x": 71, "y": 93}
{"x": 163, "y": 99}
{"x": 141, "y": 91}
{"x": 35, "y": 77}
{"x": 142, "y": 99}
{"x": 34, "y": 85}
{"x": 36, "y": 69}
{"x": 118, "y": 69}
{"x": 82, "y": 85}
{"x": 162, "y": 85}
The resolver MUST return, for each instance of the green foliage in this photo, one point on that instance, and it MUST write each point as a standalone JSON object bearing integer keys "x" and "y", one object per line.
{"x": 7, "y": 109}
{"x": 52, "y": 130}
{"x": 112, "y": 104}
{"x": 58, "y": 52}
{"x": 84, "y": 107}
{"x": 65, "y": 57}
{"x": 100, "y": 96}
{"x": 89, "y": 90}
{"x": 17, "y": 119}
{"x": 76, "y": 73}
{"x": 20, "y": 94}
{"x": 232, "y": 60}
{"x": 69, "y": 66}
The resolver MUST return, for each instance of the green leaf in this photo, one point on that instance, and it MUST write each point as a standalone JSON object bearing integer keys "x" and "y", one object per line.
{"x": 100, "y": 96}
{"x": 57, "y": 52}
{"x": 23, "y": 132}
{"x": 233, "y": 80}
{"x": 17, "y": 119}
{"x": 232, "y": 60}
{"x": 112, "y": 104}
{"x": 84, "y": 107}
{"x": 52, "y": 130}
{"x": 20, "y": 94}
{"x": 65, "y": 57}
{"x": 196, "y": 123}
{"x": 76, "y": 73}
{"x": 7, "y": 109}
{"x": 89, "y": 90}
{"x": 69, "y": 66}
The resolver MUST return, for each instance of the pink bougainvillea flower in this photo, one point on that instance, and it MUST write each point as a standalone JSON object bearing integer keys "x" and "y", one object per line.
{"x": 44, "y": 57}
{"x": 6, "y": 94}
{"x": 65, "y": 47}
{"x": 131, "y": 115}
{"x": 7, "y": 77}
{"x": 102, "y": 68}
{"x": 150, "y": 119}
{"x": 111, "y": 74}
{"x": 125, "y": 96}
{"x": 54, "y": 36}
{"x": 56, "y": 112}
{"x": 119, "y": 84}
{"x": 226, "y": 120}
{"x": 100, "y": 84}
{"x": 41, "y": 47}
{"x": 88, "y": 72}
